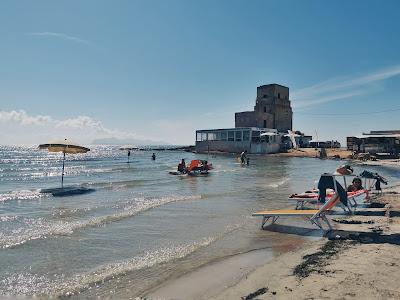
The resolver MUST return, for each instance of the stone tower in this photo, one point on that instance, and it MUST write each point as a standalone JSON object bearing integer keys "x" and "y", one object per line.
{"x": 272, "y": 109}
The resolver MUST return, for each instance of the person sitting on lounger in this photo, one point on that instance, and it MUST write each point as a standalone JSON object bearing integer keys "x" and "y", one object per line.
{"x": 355, "y": 186}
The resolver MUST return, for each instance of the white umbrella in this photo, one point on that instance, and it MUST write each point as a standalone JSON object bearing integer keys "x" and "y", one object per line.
{"x": 268, "y": 134}
{"x": 128, "y": 148}
{"x": 64, "y": 147}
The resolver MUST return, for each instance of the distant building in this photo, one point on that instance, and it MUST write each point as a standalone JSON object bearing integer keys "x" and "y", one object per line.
{"x": 376, "y": 142}
{"x": 238, "y": 139}
{"x": 272, "y": 109}
{"x": 324, "y": 144}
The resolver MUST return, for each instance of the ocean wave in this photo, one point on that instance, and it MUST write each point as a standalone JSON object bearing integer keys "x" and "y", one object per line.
{"x": 40, "y": 228}
{"x": 8, "y": 218}
{"x": 25, "y": 174}
{"x": 24, "y": 284}
{"x": 116, "y": 185}
{"x": 57, "y": 285}
{"x": 278, "y": 183}
{"x": 29, "y": 284}
{"x": 108, "y": 272}
{"x": 22, "y": 195}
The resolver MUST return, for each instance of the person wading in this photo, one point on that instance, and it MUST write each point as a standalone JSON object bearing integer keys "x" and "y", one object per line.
{"x": 243, "y": 157}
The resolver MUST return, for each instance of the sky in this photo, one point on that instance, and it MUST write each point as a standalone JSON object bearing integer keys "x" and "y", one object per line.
{"x": 159, "y": 70}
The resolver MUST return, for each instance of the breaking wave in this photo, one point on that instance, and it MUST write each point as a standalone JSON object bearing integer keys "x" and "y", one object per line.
{"x": 33, "y": 229}
{"x": 57, "y": 285}
{"x": 278, "y": 183}
{"x": 22, "y": 195}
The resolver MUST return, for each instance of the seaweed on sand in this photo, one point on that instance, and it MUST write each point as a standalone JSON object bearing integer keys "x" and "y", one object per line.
{"x": 255, "y": 294}
{"x": 314, "y": 262}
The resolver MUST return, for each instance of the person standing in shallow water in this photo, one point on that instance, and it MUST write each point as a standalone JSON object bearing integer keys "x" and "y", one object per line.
{"x": 243, "y": 157}
{"x": 153, "y": 157}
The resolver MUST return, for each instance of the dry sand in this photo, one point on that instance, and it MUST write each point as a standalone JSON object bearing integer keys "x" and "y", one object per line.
{"x": 341, "y": 270}
{"x": 383, "y": 162}
{"x": 311, "y": 152}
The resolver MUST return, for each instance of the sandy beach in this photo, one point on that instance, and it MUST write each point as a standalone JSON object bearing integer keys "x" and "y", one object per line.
{"x": 352, "y": 262}
{"x": 384, "y": 162}
{"x": 359, "y": 268}
{"x": 312, "y": 152}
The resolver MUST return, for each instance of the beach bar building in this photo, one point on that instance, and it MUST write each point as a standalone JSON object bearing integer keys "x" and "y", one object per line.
{"x": 258, "y": 131}
{"x": 236, "y": 140}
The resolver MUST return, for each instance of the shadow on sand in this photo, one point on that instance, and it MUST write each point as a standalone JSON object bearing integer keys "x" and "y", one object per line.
{"x": 290, "y": 229}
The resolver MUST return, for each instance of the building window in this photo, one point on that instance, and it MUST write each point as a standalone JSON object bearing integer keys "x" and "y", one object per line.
{"x": 218, "y": 138}
{"x": 265, "y": 123}
{"x": 264, "y": 96}
{"x": 264, "y": 139}
{"x": 246, "y": 135}
{"x": 238, "y": 136}
{"x": 255, "y": 136}
{"x": 198, "y": 137}
{"x": 231, "y": 136}
{"x": 211, "y": 136}
{"x": 279, "y": 95}
{"x": 265, "y": 109}
{"x": 223, "y": 135}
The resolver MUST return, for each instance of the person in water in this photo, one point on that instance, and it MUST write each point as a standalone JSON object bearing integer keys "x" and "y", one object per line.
{"x": 355, "y": 186}
{"x": 243, "y": 157}
{"x": 153, "y": 157}
{"x": 182, "y": 166}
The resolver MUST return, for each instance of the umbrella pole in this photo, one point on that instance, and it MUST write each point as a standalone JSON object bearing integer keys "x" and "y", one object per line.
{"x": 62, "y": 175}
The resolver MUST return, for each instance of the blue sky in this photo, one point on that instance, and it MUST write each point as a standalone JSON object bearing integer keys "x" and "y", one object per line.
{"x": 161, "y": 69}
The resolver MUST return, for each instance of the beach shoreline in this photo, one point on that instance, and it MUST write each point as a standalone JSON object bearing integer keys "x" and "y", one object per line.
{"x": 331, "y": 267}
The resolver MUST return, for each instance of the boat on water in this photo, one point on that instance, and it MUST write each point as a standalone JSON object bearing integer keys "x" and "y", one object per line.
{"x": 196, "y": 167}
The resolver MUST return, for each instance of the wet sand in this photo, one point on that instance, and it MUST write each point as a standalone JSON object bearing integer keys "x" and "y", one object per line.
{"x": 214, "y": 278}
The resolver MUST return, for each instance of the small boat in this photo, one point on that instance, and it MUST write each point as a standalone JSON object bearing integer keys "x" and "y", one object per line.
{"x": 197, "y": 167}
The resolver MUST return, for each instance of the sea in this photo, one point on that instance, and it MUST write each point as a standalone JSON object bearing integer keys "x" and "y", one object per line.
{"x": 136, "y": 226}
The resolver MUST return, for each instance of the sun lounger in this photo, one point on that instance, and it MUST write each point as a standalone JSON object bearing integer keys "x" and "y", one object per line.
{"x": 313, "y": 215}
{"x": 312, "y": 197}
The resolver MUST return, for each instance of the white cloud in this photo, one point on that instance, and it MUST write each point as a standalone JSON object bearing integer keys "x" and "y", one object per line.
{"x": 80, "y": 122}
{"x": 61, "y": 36}
{"x": 83, "y": 126}
{"x": 341, "y": 88}
{"x": 23, "y": 118}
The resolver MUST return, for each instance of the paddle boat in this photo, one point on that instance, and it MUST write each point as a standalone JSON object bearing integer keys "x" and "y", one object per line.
{"x": 196, "y": 167}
